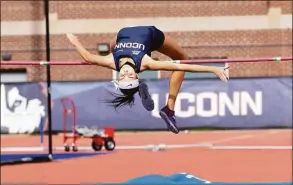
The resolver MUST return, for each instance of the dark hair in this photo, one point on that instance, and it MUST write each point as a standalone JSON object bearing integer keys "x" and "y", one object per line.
{"x": 127, "y": 97}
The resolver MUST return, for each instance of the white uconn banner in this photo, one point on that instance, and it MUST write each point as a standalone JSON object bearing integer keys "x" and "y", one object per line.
{"x": 240, "y": 103}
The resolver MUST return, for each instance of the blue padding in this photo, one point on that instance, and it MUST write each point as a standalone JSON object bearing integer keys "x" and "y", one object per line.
{"x": 41, "y": 129}
{"x": 57, "y": 156}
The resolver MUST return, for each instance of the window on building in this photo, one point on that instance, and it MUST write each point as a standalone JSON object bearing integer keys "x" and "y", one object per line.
{"x": 13, "y": 75}
{"x": 205, "y": 75}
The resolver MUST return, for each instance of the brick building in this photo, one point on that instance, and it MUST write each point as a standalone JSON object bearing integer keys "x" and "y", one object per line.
{"x": 216, "y": 29}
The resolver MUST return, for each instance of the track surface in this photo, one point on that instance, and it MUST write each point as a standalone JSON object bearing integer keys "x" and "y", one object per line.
{"x": 229, "y": 165}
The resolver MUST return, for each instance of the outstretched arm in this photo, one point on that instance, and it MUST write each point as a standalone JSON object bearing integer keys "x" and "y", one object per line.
{"x": 150, "y": 64}
{"x": 104, "y": 61}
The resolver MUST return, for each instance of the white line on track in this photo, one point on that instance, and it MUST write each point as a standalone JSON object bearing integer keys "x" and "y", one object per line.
{"x": 251, "y": 147}
{"x": 146, "y": 147}
{"x": 243, "y": 137}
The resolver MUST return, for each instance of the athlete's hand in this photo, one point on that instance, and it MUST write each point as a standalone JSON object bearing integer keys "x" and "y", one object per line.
{"x": 72, "y": 38}
{"x": 221, "y": 73}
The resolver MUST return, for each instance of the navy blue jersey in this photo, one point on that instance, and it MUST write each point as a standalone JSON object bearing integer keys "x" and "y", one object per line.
{"x": 135, "y": 42}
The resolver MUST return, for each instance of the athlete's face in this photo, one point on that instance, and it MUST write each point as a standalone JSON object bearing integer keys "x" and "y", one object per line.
{"x": 127, "y": 73}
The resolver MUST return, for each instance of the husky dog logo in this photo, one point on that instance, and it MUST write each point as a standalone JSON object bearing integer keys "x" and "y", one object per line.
{"x": 21, "y": 109}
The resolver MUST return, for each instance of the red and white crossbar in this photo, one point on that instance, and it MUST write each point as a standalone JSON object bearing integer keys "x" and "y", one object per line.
{"x": 271, "y": 59}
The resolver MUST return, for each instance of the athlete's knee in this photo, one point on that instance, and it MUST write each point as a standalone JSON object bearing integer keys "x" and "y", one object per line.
{"x": 182, "y": 55}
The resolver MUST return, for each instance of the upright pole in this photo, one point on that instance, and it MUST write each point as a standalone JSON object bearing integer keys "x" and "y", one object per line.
{"x": 46, "y": 3}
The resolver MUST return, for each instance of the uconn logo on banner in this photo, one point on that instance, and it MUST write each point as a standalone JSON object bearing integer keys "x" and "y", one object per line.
{"x": 210, "y": 104}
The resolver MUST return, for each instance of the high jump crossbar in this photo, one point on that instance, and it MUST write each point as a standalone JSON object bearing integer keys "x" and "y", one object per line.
{"x": 270, "y": 59}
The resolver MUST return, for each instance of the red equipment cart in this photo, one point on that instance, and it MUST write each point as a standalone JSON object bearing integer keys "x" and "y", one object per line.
{"x": 101, "y": 138}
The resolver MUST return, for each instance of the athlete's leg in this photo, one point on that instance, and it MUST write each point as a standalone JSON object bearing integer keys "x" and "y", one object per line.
{"x": 172, "y": 49}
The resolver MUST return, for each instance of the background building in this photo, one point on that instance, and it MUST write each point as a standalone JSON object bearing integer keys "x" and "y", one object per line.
{"x": 206, "y": 29}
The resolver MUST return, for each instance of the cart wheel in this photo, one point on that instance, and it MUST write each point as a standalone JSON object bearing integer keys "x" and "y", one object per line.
{"x": 74, "y": 148}
{"x": 66, "y": 148}
{"x": 96, "y": 147}
{"x": 109, "y": 144}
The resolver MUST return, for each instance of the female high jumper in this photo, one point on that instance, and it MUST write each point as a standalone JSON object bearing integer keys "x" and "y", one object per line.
{"x": 131, "y": 54}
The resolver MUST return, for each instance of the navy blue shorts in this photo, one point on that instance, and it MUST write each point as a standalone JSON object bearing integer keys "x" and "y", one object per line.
{"x": 149, "y": 36}
{"x": 158, "y": 38}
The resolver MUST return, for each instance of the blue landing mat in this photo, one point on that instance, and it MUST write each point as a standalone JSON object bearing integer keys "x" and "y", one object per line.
{"x": 213, "y": 183}
{"x": 187, "y": 179}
